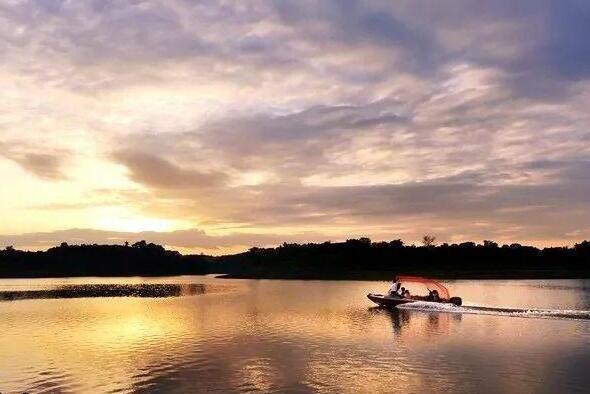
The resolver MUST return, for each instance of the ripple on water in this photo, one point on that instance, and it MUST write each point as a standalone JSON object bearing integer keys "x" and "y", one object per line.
{"x": 282, "y": 337}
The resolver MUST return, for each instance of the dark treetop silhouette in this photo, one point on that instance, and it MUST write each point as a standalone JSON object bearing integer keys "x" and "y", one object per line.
{"x": 353, "y": 259}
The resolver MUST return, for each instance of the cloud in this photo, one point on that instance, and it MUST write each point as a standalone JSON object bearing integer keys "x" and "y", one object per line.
{"x": 130, "y": 41}
{"x": 47, "y": 165}
{"x": 560, "y": 53}
{"x": 156, "y": 172}
{"x": 356, "y": 24}
{"x": 370, "y": 117}
{"x": 191, "y": 239}
{"x": 455, "y": 159}
{"x": 463, "y": 204}
{"x": 572, "y": 171}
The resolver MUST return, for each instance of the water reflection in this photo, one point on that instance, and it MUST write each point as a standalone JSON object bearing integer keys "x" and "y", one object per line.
{"x": 280, "y": 336}
{"x": 418, "y": 326}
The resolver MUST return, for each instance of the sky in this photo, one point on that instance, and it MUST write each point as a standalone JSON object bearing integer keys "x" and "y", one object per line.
{"x": 213, "y": 126}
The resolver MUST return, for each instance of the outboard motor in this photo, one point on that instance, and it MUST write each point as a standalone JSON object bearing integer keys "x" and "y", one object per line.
{"x": 456, "y": 300}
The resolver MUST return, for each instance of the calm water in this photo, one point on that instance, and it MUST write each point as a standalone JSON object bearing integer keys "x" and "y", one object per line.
{"x": 200, "y": 334}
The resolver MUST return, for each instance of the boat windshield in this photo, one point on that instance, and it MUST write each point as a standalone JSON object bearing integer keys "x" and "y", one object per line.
{"x": 430, "y": 284}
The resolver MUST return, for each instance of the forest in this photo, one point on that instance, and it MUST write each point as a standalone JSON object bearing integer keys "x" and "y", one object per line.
{"x": 352, "y": 259}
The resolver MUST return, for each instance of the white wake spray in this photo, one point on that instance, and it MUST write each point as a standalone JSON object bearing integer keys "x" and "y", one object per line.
{"x": 485, "y": 310}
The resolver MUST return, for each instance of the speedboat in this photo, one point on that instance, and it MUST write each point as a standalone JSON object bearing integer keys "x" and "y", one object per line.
{"x": 437, "y": 293}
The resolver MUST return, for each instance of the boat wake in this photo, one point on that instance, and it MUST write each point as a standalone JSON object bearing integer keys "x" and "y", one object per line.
{"x": 485, "y": 310}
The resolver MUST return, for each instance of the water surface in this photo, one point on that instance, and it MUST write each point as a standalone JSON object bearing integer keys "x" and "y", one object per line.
{"x": 201, "y": 334}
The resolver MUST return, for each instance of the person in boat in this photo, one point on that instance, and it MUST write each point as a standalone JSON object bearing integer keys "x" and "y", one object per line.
{"x": 407, "y": 294}
{"x": 402, "y": 291}
{"x": 394, "y": 288}
{"x": 430, "y": 296}
{"x": 435, "y": 296}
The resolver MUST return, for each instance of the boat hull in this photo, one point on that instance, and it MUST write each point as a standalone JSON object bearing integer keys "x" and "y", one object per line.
{"x": 388, "y": 302}
{"x": 392, "y": 302}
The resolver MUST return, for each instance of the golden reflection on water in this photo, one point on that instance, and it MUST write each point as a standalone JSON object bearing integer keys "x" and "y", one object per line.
{"x": 276, "y": 336}
{"x": 90, "y": 335}
{"x": 257, "y": 374}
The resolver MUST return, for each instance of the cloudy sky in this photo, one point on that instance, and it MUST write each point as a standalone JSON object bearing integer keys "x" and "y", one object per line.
{"x": 217, "y": 125}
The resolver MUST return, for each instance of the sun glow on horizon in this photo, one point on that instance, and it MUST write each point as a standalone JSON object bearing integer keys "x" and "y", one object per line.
{"x": 135, "y": 224}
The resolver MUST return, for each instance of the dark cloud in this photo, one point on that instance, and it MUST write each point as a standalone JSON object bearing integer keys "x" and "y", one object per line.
{"x": 461, "y": 175}
{"x": 574, "y": 171}
{"x": 457, "y": 200}
{"x": 156, "y": 172}
{"x": 561, "y": 52}
{"x": 356, "y": 23}
{"x": 516, "y": 205}
{"x": 44, "y": 164}
{"x": 538, "y": 46}
{"x": 292, "y": 145}
{"x": 530, "y": 44}
{"x": 549, "y": 210}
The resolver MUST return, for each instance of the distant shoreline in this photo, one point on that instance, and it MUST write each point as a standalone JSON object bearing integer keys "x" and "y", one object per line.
{"x": 355, "y": 259}
{"x": 368, "y": 276}
{"x": 389, "y": 276}
{"x": 360, "y": 277}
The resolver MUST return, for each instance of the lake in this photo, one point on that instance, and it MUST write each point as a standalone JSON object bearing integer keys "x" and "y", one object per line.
{"x": 203, "y": 334}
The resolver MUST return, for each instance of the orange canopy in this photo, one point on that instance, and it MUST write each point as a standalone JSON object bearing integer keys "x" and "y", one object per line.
{"x": 430, "y": 284}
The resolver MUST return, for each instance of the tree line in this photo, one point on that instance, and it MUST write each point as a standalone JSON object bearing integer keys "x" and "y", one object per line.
{"x": 352, "y": 259}
{"x": 140, "y": 258}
